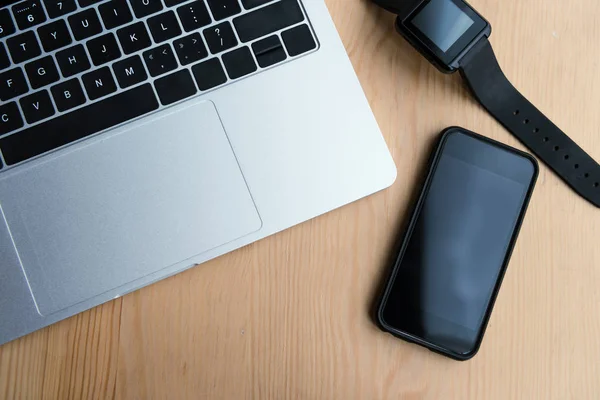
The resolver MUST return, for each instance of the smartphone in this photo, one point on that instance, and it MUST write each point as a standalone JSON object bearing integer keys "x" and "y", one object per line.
{"x": 458, "y": 244}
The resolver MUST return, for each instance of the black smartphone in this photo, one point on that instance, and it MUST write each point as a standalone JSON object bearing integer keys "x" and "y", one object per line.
{"x": 458, "y": 244}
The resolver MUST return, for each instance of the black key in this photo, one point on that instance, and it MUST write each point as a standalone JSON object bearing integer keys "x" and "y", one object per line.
{"x": 171, "y": 3}
{"x": 160, "y": 60}
{"x": 23, "y": 47}
{"x": 209, "y": 74}
{"x": 222, "y": 9}
{"x": 99, "y": 83}
{"x": 37, "y": 106}
{"x": 164, "y": 26}
{"x": 248, "y": 4}
{"x": 85, "y": 24}
{"x": 28, "y": 13}
{"x": 190, "y": 49}
{"x": 12, "y": 84}
{"x": 268, "y": 51}
{"x": 6, "y": 24}
{"x": 298, "y": 40}
{"x": 267, "y": 20}
{"x": 42, "y": 72}
{"x": 239, "y": 62}
{"x": 72, "y": 60}
{"x": 4, "y": 61}
{"x": 143, "y": 8}
{"x": 54, "y": 35}
{"x": 130, "y": 71}
{"x": 220, "y": 37}
{"x": 194, "y": 15}
{"x": 103, "y": 49}
{"x": 175, "y": 87}
{"x": 134, "y": 37}
{"x": 78, "y": 124}
{"x": 115, "y": 13}
{"x": 68, "y": 94}
{"x": 57, "y": 8}
{"x": 10, "y": 118}
{"x": 85, "y": 3}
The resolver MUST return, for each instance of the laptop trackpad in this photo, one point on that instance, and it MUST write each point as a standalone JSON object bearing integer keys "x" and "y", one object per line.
{"x": 127, "y": 206}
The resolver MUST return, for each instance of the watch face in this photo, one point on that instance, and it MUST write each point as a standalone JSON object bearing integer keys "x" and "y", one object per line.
{"x": 445, "y": 27}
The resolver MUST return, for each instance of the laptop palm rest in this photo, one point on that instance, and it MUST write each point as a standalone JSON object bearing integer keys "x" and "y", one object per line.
{"x": 126, "y": 206}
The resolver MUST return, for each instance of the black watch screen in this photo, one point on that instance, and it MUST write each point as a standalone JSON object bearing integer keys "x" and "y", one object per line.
{"x": 443, "y": 30}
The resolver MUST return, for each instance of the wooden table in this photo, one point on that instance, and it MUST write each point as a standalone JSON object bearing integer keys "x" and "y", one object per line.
{"x": 287, "y": 317}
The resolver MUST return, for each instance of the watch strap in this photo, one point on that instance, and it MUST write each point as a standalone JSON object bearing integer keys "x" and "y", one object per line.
{"x": 502, "y": 100}
{"x": 402, "y": 8}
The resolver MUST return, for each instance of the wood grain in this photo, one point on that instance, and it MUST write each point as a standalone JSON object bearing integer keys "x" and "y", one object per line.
{"x": 287, "y": 317}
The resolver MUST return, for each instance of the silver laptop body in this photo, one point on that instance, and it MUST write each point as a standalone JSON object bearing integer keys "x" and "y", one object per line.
{"x": 106, "y": 214}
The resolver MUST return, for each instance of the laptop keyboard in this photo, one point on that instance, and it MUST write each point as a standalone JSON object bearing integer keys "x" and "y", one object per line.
{"x": 73, "y": 68}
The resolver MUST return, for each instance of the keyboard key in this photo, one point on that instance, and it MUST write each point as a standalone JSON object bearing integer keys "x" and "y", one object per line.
{"x": 248, "y": 4}
{"x": 85, "y": 3}
{"x": 298, "y": 40}
{"x": 103, "y": 49}
{"x": 209, "y": 74}
{"x": 143, "y": 8}
{"x": 6, "y": 24}
{"x": 160, "y": 60}
{"x": 175, "y": 87}
{"x": 134, "y": 37}
{"x": 268, "y": 51}
{"x": 78, "y": 124}
{"x": 37, "y": 106}
{"x": 130, "y": 71}
{"x": 28, "y": 13}
{"x": 190, "y": 49}
{"x": 4, "y": 60}
{"x": 23, "y": 47}
{"x": 222, "y": 9}
{"x": 99, "y": 83}
{"x": 171, "y": 3}
{"x": 194, "y": 15}
{"x": 12, "y": 84}
{"x": 85, "y": 24}
{"x": 54, "y": 35}
{"x": 10, "y": 118}
{"x": 220, "y": 37}
{"x": 57, "y": 8}
{"x": 164, "y": 26}
{"x": 72, "y": 60}
{"x": 68, "y": 94}
{"x": 42, "y": 72}
{"x": 267, "y": 20}
{"x": 239, "y": 62}
{"x": 115, "y": 13}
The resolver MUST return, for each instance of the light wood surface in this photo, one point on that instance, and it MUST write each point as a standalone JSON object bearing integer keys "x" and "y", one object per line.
{"x": 287, "y": 317}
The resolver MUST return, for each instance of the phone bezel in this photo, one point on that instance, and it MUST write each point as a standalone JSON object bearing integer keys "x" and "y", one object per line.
{"x": 417, "y": 209}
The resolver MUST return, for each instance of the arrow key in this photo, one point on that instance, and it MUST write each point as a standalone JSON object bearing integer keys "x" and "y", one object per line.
{"x": 190, "y": 48}
{"x": 160, "y": 60}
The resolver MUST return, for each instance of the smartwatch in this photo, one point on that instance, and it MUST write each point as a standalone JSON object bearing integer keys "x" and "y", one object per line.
{"x": 454, "y": 37}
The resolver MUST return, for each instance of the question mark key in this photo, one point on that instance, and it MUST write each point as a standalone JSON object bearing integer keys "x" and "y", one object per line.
{"x": 220, "y": 37}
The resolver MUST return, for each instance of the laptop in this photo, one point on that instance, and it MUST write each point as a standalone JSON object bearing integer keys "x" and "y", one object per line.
{"x": 139, "y": 138}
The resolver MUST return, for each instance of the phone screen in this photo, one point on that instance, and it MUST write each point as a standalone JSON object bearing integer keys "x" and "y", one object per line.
{"x": 458, "y": 243}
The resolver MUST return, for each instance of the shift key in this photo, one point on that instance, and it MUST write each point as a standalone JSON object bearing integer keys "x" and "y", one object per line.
{"x": 268, "y": 19}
